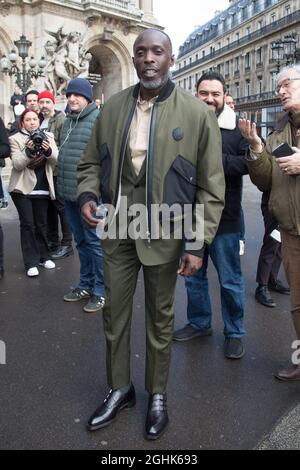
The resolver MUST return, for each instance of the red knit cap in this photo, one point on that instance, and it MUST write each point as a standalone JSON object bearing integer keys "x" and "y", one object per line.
{"x": 46, "y": 94}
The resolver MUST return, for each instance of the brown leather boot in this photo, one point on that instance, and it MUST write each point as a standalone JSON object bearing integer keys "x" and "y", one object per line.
{"x": 290, "y": 374}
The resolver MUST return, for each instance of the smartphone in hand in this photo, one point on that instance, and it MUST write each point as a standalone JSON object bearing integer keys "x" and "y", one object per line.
{"x": 283, "y": 150}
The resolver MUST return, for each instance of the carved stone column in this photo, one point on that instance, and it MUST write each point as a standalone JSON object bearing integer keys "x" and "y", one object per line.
{"x": 147, "y": 7}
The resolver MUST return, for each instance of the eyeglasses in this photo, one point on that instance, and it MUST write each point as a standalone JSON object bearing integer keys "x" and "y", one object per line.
{"x": 285, "y": 84}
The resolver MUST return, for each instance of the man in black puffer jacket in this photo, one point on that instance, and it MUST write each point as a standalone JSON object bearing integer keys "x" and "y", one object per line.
{"x": 224, "y": 251}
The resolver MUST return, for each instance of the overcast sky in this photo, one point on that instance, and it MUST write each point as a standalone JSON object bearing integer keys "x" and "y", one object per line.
{"x": 181, "y": 16}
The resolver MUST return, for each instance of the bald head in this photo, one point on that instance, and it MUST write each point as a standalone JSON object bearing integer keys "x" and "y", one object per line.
{"x": 152, "y": 60}
{"x": 153, "y": 32}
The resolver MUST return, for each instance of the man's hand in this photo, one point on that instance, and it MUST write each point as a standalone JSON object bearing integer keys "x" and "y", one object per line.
{"x": 290, "y": 165}
{"x": 189, "y": 265}
{"x": 88, "y": 211}
{"x": 249, "y": 132}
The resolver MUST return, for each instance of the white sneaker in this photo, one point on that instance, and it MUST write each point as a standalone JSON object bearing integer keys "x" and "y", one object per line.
{"x": 32, "y": 272}
{"x": 48, "y": 264}
{"x": 242, "y": 247}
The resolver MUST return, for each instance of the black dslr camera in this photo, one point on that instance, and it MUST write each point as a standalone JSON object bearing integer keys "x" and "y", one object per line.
{"x": 38, "y": 137}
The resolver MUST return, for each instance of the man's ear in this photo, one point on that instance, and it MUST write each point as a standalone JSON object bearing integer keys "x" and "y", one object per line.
{"x": 173, "y": 60}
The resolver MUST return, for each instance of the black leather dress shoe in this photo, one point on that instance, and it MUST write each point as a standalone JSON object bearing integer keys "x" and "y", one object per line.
{"x": 157, "y": 416}
{"x": 263, "y": 296}
{"x": 62, "y": 252}
{"x": 279, "y": 287}
{"x": 115, "y": 401}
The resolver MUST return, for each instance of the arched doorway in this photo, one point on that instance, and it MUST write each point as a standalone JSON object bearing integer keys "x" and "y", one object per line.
{"x": 112, "y": 61}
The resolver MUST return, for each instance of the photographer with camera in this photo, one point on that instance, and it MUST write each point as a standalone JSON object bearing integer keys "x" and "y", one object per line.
{"x": 34, "y": 155}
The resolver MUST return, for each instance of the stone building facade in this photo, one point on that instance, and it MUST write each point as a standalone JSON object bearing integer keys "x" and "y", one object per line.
{"x": 237, "y": 42}
{"x": 108, "y": 29}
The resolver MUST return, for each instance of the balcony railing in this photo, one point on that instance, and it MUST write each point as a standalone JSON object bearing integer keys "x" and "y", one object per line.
{"x": 119, "y": 4}
{"x": 270, "y": 95}
{"x": 273, "y": 27}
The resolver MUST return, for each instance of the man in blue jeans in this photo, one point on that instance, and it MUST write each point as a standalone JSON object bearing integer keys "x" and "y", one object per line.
{"x": 75, "y": 135}
{"x": 224, "y": 250}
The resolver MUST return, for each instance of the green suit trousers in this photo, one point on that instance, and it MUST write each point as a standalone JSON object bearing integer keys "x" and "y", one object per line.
{"x": 121, "y": 270}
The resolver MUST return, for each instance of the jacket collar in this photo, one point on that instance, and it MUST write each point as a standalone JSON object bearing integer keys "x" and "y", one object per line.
{"x": 227, "y": 119}
{"x": 164, "y": 94}
{"x": 86, "y": 111}
{"x": 282, "y": 122}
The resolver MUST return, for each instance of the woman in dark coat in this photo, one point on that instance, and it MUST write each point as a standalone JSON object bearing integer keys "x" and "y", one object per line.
{"x": 4, "y": 153}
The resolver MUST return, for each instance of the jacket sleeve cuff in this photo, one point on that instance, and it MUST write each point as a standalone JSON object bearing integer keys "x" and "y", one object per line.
{"x": 83, "y": 198}
{"x": 48, "y": 153}
{"x": 29, "y": 153}
{"x": 197, "y": 252}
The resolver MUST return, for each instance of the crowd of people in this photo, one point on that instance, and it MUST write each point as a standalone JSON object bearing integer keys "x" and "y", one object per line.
{"x": 154, "y": 144}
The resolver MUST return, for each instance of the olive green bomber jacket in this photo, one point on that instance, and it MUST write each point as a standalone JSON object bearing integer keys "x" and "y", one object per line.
{"x": 184, "y": 160}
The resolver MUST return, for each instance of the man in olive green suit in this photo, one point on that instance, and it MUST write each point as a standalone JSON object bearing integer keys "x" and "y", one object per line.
{"x": 153, "y": 144}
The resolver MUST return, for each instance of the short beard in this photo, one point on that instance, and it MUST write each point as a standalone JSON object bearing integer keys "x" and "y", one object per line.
{"x": 155, "y": 84}
{"x": 220, "y": 110}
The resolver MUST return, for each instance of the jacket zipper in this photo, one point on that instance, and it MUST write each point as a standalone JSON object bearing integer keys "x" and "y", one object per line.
{"x": 123, "y": 152}
{"x": 149, "y": 175}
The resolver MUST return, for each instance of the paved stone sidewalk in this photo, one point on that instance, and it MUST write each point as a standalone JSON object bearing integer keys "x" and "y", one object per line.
{"x": 286, "y": 434}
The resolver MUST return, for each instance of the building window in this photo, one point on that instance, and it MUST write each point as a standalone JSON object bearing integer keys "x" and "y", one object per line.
{"x": 190, "y": 83}
{"x": 273, "y": 18}
{"x": 184, "y": 83}
{"x": 197, "y": 56}
{"x": 227, "y": 68}
{"x": 247, "y": 88}
{"x": 259, "y": 56}
{"x": 248, "y": 30}
{"x": 259, "y": 85}
{"x": 245, "y": 14}
{"x": 288, "y": 10}
{"x": 237, "y": 36}
{"x": 247, "y": 60}
{"x": 237, "y": 90}
{"x": 273, "y": 81}
{"x": 203, "y": 54}
{"x": 237, "y": 64}
{"x": 191, "y": 60}
{"x": 255, "y": 6}
{"x": 260, "y": 24}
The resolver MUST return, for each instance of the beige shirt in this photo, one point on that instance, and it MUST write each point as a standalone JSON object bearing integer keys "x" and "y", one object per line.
{"x": 139, "y": 133}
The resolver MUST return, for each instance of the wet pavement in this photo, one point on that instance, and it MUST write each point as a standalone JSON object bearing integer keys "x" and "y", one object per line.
{"x": 54, "y": 376}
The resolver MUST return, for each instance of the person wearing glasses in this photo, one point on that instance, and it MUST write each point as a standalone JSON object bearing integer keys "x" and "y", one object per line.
{"x": 280, "y": 176}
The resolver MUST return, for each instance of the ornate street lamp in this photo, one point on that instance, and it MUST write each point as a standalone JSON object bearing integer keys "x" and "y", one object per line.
{"x": 285, "y": 50}
{"x": 289, "y": 44}
{"x": 26, "y": 72}
{"x": 277, "y": 53}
